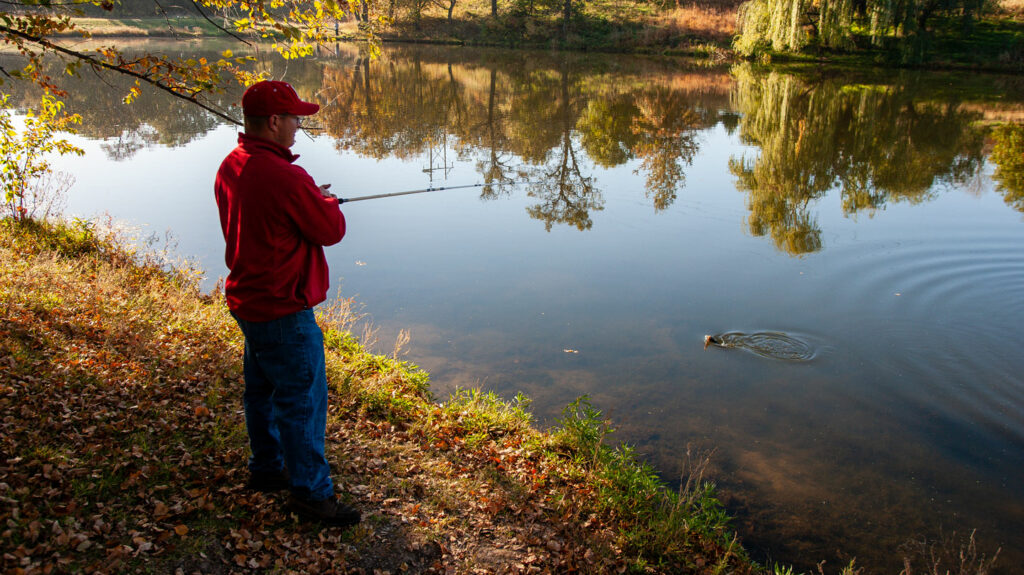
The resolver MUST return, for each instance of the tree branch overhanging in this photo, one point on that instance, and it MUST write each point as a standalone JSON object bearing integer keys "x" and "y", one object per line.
{"x": 199, "y": 9}
{"x": 97, "y": 63}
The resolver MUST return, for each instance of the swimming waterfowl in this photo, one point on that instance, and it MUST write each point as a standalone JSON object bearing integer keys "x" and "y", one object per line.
{"x": 712, "y": 340}
{"x": 770, "y": 344}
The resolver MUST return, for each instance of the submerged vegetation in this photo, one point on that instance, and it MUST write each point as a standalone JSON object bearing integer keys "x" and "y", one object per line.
{"x": 123, "y": 445}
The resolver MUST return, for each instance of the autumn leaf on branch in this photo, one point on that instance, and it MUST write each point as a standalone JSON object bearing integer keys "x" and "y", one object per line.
{"x": 37, "y": 31}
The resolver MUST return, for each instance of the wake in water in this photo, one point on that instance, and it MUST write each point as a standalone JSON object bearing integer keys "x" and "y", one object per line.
{"x": 770, "y": 344}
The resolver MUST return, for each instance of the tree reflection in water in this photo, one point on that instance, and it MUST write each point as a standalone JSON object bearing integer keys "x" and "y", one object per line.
{"x": 876, "y": 143}
{"x": 1008, "y": 156}
{"x": 524, "y": 121}
{"x": 566, "y": 194}
{"x": 554, "y": 120}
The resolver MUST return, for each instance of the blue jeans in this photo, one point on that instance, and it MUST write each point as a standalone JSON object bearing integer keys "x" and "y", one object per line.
{"x": 286, "y": 401}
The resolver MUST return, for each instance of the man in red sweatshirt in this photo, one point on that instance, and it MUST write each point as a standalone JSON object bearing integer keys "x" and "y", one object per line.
{"x": 276, "y": 222}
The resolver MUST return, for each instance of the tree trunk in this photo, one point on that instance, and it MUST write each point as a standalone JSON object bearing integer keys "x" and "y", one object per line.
{"x": 494, "y": 8}
{"x": 927, "y": 9}
{"x": 566, "y": 16}
{"x": 922, "y": 22}
{"x": 367, "y": 97}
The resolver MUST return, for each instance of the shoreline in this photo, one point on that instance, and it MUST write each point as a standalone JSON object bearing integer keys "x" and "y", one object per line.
{"x": 685, "y": 46}
{"x": 140, "y": 463}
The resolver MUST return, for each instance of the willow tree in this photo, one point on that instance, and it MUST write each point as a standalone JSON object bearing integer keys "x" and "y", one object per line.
{"x": 790, "y": 25}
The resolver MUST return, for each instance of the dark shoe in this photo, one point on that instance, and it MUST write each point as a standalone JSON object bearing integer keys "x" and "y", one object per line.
{"x": 329, "y": 511}
{"x": 268, "y": 482}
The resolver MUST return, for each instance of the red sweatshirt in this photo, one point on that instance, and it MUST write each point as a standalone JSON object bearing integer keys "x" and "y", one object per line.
{"x": 275, "y": 223}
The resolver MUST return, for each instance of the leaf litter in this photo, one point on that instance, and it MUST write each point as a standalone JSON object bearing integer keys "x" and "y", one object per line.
{"x": 123, "y": 447}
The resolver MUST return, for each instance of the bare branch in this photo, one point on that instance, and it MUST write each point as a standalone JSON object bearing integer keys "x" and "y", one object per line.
{"x": 167, "y": 17}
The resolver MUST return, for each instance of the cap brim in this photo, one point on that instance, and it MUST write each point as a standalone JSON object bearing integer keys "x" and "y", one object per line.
{"x": 304, "y": 109}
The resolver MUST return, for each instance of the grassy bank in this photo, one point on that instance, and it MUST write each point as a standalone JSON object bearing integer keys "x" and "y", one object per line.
{"x": 123, "y": 449}
{"x": 996, "y": 43}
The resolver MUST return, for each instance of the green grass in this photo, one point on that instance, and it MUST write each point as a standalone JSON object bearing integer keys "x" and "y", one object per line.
{"x": 988, "y": 44}
{"x": 664, "y": 523}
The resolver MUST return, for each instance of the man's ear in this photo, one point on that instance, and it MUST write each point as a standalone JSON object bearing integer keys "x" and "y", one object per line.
{"x": 273, "y": 123}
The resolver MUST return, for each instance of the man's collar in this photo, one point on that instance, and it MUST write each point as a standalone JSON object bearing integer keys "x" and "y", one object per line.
{"x": 247, "y": 141}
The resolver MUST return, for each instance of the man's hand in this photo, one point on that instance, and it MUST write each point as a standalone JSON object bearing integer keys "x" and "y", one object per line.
{"x": 325, "y": 193}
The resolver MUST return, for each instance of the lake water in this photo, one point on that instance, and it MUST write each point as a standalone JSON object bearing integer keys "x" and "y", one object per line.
{"x": 873, "y": 217}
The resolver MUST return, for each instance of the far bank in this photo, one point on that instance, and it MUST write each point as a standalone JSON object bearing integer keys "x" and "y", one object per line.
{"x": 706, "y": 31}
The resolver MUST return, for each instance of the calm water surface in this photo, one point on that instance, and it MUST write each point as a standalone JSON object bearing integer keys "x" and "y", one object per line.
{"x": 874, "y": 218}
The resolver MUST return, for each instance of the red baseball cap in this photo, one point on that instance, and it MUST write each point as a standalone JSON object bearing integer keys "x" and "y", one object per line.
{"x": 270, "y": 97}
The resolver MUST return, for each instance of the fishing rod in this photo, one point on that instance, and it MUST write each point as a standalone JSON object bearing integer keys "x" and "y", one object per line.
{"x": 425, "y": 190}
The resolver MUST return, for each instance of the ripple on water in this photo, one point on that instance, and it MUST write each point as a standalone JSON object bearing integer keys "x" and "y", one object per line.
{"x": 770, "y": 344}
{"x": 983, "y": 276}
{"x": 939, "y": 322}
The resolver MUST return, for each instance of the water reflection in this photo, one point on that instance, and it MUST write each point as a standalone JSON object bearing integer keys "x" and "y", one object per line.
{"x": 1008, "y": 156}
{"x": 523, "y": 122}
{"x": 878, "y": 144}
{"x": 554, "y": 123}
{"x": 157, "y": 119}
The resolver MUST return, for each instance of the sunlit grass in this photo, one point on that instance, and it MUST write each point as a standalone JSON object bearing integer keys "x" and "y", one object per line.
{"x": 154, "y": 26}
